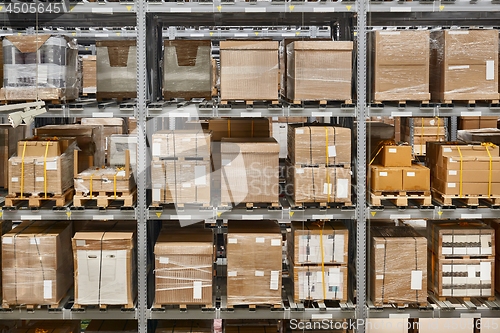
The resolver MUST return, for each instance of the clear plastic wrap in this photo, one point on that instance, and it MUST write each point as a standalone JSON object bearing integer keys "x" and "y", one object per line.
{"x": 249, "y": 70}
{"x": 112, "y": 326}
{"x": 424, "y": 130}
{"x": 464, "y": 65}
{"x": 187, "y": 71}
{"x": 184, "y": 326}
{"x": 110, "y": 126}
{"x": 250, "y": 279}
{"x": 184, "y": 266}
{"x": 37, "y": 267}
{"x": 116, "y": 66}
{"x": 319, "y": 283}
{"x": 398, "y": 266}
{"x": 319, "y": 70}
{"x": 107, "y": 179}
{"x": 181, "y": 143}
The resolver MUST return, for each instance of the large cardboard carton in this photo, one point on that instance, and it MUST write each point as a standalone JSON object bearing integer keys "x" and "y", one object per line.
{"x": 416, "y": 178}
{"x": 239, "y": 128}
{"x": 254, "y": 255}
{"x": 89, "y": 74}
{"x": 465, "y": 123}
{"x": 112, "y": 326}
{"x": 250, "y": 171}
{"x": 187, "y": 71}
{"x": 249, "y": 70}
{"x": 184, "y": 260}
{"x": 9, "y": 137}
{"x": 184, "y": 326}
{"x": 116, "y": 68}
{"x": 181, "y": 143}
{"x": 36, "y": 264}
{"x": 107, "y": 179}
{"x": 401, "y": 65}
{"x": 395, "y": 156}
{"x": 314, "y": 283}
{"x": 319, "y": 70}
{"x": 398, "y": 266}
{"x": 385, "y": 179}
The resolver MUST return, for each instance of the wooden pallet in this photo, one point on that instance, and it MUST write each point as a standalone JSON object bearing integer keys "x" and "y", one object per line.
{"x": 104, "y": 307}
{"x": 463, "y": 299}
{"x": 36, "y": 199}
{"x": 469, "y": 200}
{"x": 249, "y": 102}
{"x": 252, "y": 205}
{"x": 401, "y": 304}
{"x": 401, "y": 103}
{"x": 466, "y": 257}
{"x": 200, "y": 205}
{"x": 103, "y": 199}
{"x": 182, "y": 158}
{"x": 119, "y": 96}
{"x": 32, "y": 307}
{"x": 254, "y": 306}
{"x": 321, "y": 205}
{"x": 470, "y": 101}
{"x": 321, "y": 102}
{"x": 181, "y": 307}
{"x": 400, "y": 198}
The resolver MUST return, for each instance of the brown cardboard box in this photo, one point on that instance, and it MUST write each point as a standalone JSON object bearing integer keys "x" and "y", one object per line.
{"x": 105, "y": 265}
{"x": 313, "y": 145}
{"x": 5, "y": 226}
{"x": 250, "y": 171}
{"x": 401, "y": 65}
{"x": 440, "y": 153}
{"x": 464, "y": 65}
{"x": 318, "y": 184}
{"x": 184, "y": 260}
{"x": 49, "y": 326}
{"x": 386, "y": 179}
{"x": 36, "y": 264}
{"x": 398, "y": 266}
{"x": 111, "y": 126}
{"x": 184, "y": 326}
{"x": 249, "y": 70}
{"x": 316, "y": 283}
{"x": 9, "y": 137}
{"x": 465, "y": 188}
{"x": 319, "y": 70}
{"x": 290, "y": 120}
{"x": 480, "y": 135}
{"x": 465, "y": 123}
{"x": 116, "y": 68}
{"x": 181, "y": 143}
{"x": 131, "y": 125}
{"x": 416, "y": 178}
{"x": 112, "y": 326}
{"x": 250, "y": 278}
{"x": 187, "y": 71}
{"x": 395, "y": 156}
{"x": 451, "y": 175}
{"x": 89, "y": 74}
{"x": 107, "y": 179}
{"x": 239, "y": 128}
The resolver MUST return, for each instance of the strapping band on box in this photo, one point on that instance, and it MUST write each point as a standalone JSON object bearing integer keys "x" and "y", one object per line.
{"x": 381, "y": 146}
{"x": 22, "y": 170}
{"x": 45, "y": 169}
{"x": 486, "y": 145}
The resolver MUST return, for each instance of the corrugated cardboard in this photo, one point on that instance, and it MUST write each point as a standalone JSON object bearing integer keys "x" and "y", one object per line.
{"x": 116, "y": 67}
{"x": 9, "y": 137}
{"x": 465, "y": 123}
{"x": 319, "y": 70}
{"x": 110, "y": 126}
{"x": 249, "y": 70}
{"x": 386, "y": 179}
{"x": 89, "y": 74}
{"x": 249, "y": 171}
{"x": 416, "y": 178}
{"x": 395, "y": 156}
{"x": 181, "y": 143}
{"x": 184, "y": 326}
{"x": 112, "y": 326}
{"x": 250, "y": 279}
{"x": 398, "y": 265}
{"x": 239, "y": 128}
{"x": 317, "y": 283}
{"x": 107, "y": 179}
{"x": 36, "y": 264}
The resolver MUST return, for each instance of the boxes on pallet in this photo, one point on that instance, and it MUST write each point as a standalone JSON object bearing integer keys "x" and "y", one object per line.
{"x": 36, "y": 264}
{"x": 107, "y": 179}
{"x": 328, "y": 77}
{"x": 116, "y": 69}
{"x": 250, "y": 279}
{"x": 40, "y": 67}
{"x": 414, "y": 178}
{"x": 249, "y": 170}
{"x": 110, "y": 126}
{"x": 9, "y": 137}
{"x": 89, "y": 74}
{"x": 184, "y": 326}
{"x": 464, "y": 65}
{"x": 171, "y": 144}
{"x": 184, "y": 260}
{"x": 401, "y": 65}
{"x": 112, "y": 326}
{"x": 466, "y": 123}
{"x": 187, "y": 71}
{"x": 50, "y": 326}
{"x": 319, "y": 283}
{"x": 479, "y": 135}
{"x": 239, "y": 128}
{"x": 249, "y": 70}
{"x": 398, "y": 266}
{"x": 104, "y": 255}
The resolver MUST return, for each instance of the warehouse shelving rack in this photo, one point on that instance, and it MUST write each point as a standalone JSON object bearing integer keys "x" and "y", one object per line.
{"x": 103, "y": 19}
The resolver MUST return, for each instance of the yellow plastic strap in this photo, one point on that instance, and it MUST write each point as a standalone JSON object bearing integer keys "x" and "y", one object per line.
{"x": 326, "y": 168}
{"x": 22, "y": 169}
{"x": 461, "y": 170}
{"x": 229, "y": 128}
{"x": 422, "y": 139}
{"x": 490, "y": 176}
{"x": 322, "y": 262}
{"x": 45, "y": 170}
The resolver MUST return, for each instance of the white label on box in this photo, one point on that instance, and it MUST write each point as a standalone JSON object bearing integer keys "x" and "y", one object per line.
{"x": 14, "y": 179}
{"x": 432, "y": 122}
{"x": 485, "y": 271}
{"x": 232, "y": 273}
{"x": 342, "y": 188}
{"x": 458, "y": 32}
{"x": 186, "y": 185}
{"x": 47, "y": 289}
{"x": 51, "y": 165}
{"x": 379, "y": 277}
{"x": 259, "y": 273}
{"x": 274, "y": 280}
{"x": 416, "y": 280}
{"x": 332, "y": 151}
{"x": 164, "y": 260}
{"x": 452, "y": 185}
{"x": 80, "y": 242}
{"x": 299, "y": 171}
{"x": 259, "y": 239}
{"x": 319, "y": 277}
{"x": 485, "y": 243}
{"x": 200, "y": 175}
{"x": 7, "y": 240}
{"x": 197, "y": 289}
{"x": 35, "y": 240}
{"x": 382, "y": 174}
{"x": 232, "y": 241}
{"x": 490, "y": 70}
{"x": 39, "y": 179}
{"x": 299, "y": 131}
{"x": 458, "y": 67}
{"x": 380, "y": 246}
{"x": 392, "y": 150}
{"x": 275, "y": 242}
{"x": 327, "y": 188}
{"x": 410, "y": 174}
{"x": 471, "y": 271}
{"x": 120, "y": 173}
{"x": 156, "y": 194}
{"x": 452, "y": 172}
{"x": 447, "y": 150}
{"x": 156, "y": 149}
{"x": 390, "y": 33}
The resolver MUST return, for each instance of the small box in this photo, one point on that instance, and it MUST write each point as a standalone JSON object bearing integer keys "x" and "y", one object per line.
{"x": 396, "y": 156}
{"x": 466, "y": 123}
{"x": 386, "y": 179}
{"x": 416, "y": 178}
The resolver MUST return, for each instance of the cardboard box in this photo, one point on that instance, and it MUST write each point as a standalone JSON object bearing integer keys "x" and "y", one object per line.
{"x": 480, "y": 135}
{"x": 117, "y": 68}
{"x": 5, "y": 226}
{"x": 9, "y": 137}
{"x": 416, "y": 178}
{"x": 110, "y": 126}
{"x": 181, "y": 143}
{"x": 318, "y": 184}
{"x": 250, "y": 279}
{"x": 89, "y": 74}
{"x": 249, "y": 70}
{"x": 315, "y": 283}
{"x": 49, "y": 326}
{"x": 313, "y": 145}
{"x": 184, "y": 259}
{"x": 107, "y": 179}
{"x": 187, "y": 69}
{"x": 398, "y": 266}
{"x": 36, "y": 265}
{"x": 386, "y": 179}
{"x": 327, "y": 77}
{"x": 131, "y": 125}
{"x": 105, "y": 265}
{"x": 290, "y": 120}
{"x": 401, "y": 65}
{"x": 464, "y": 65}
{"x": 112, "y": 326}
{"x": 250, "y": 171}
{"x": 239, "y": 128}
{"x": 395, "y": 156}
{"x": 184, "y": 326}
{"x": 442, "y": 154}
{"x": 453, "y": 175}
{"x": 466, "y": 123}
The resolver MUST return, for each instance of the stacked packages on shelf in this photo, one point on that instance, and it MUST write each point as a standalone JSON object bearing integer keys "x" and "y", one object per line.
{"x": 419, "y": 131}
{"x": 471, "y": 123}
{"x": 317, "y": 254}
{"x": 110, "y": 126}
{"x": 89, "y": 75}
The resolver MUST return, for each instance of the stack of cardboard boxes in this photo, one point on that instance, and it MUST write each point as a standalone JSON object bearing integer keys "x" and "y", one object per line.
{"x": 467, "y": 123}
{"x": 49, "y": 326}
{"x": 317, "y": 254}
{"x": 479, "y": 135}
{"x": 424, "y": 130}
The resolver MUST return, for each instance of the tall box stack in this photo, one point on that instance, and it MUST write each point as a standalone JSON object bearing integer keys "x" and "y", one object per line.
{"x": 36, "y": 265}
{"x": 464, "y": 65}
{"x": 327, "y": 78}
{"x": 187, "y": 71}
{"x": 40, "y": 67}
{"x": 105, "y": 265}
{"x": 318, "y": 258}
{"x": 319, "y": 164}
{"x": 461, "y": 259}
{"x": 116, "y": 69}
{"x": 424, "y": 130}
{"x": 180, "y": 169}
{"x": 89, "y": 75}
{"x": 184, "y": 259}
{"x": 401, "y": 65}
{"x": 249, "y": 70}
{"x": 250, "y": 279}
{"x": 466, "y": 123}
{"x": 110, "y": 126}
{"x": 9, "y": 137}
{"x": 398, "y": 266}
{"x": 184, "y": 326}
{"x": 112, "y": 326}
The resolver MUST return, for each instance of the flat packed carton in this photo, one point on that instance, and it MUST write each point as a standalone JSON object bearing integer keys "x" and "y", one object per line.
{"x": 317, "y": 283}
{"x": 250, "y": 278}
{"x": 398, "y": 266}
{"x": 36, "y": 265}
{"x": 239, "y": 128}
{"x": 401, "y": 65}
{"x": 112, "y": 326}
{"x": 184, "y": 260}
{"x": 328, "y": 77}
{"x": 9, "y": 137}
{"x": 249, "y": 70}
{"x": 465, "y": 123}
{"x": 187, "y": 71}
{"x": 181, "y": 143}
{"x": 89, "y": 74}
{"x": 184, "y": 326}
